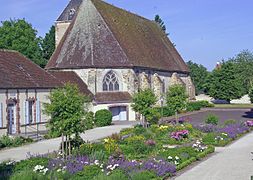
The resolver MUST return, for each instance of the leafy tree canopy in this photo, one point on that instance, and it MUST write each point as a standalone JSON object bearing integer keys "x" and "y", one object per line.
{"x": 19, "y": 35}
{"x": 199, "y": 75}
{"x": 223, "y": 83}
{"x": 143, "y": 103}
{"x": 176, "y": 98}
{"x": 244, "y": 68}
{"x": 48, "y": 43}
{"x": 67, "y": 109}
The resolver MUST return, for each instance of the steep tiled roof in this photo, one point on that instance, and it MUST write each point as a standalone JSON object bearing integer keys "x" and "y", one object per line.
{"x": 18, "y": 72}
{"x": 72, "y": 77}
{"x": 112, "y": 97}
{"x": 66, "y": 14}
{"x": 104, "y": 36}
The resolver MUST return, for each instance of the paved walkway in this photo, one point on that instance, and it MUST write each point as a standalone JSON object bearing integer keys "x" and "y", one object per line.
{"x": 52, "y": 145}
{"x": 233, "y": 162}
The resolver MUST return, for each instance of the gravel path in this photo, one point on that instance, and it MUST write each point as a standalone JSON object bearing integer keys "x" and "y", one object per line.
{"x": 51, "y": 145}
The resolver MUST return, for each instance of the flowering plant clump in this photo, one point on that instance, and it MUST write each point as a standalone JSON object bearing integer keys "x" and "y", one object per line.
{"x": 41, "y": 169}
{"x": 163, "y": 127}
{"x": 160, "y": 167}
{"x": 233, "y": 130}
{"x": 198, "y": 146}
{"x": 249, "y": 123}
{"x": 207, "y": 128}
{"x": 150, "y": 142}
{"x": 178, "y": 135}
{"x": 175, "y": 160}
{"x": 110, "y": 145}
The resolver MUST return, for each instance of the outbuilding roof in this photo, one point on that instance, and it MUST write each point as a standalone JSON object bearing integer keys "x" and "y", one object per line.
{"x": 104, "y": 36}
{"x": 18, "y": 72}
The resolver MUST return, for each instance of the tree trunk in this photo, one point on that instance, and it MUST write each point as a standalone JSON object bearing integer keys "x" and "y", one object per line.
{"x": 69, "y": 145}
{"x": 66, "y": 144}
{"x": 62, "y": 145}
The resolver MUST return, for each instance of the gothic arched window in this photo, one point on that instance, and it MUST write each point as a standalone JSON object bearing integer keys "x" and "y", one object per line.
{"x": 110, "y": 82}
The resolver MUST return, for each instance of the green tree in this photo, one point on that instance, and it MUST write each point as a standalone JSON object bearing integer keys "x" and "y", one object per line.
{"x": 67, "y": 109}
{"x": 143, "y": 103}
{"x": 48, "y": 43}
{"x": 176, "y": 98}
{"x": 19, "y": 35}
{"x": 251, "y": 94}
{"x": 199, "y": 75}
{"x": 244, "y": 68}
{"x": 223, "y": 83}
{"x": 160, "y": 22}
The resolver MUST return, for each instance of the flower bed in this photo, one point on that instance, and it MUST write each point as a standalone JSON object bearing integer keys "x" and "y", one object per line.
{"x": 135, "y": 153}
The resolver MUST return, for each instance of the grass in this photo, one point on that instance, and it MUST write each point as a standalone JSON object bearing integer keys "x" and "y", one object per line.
{"x": 233, "y": 106}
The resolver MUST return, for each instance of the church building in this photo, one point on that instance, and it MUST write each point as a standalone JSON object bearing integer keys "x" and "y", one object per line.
{"x": 116, "y": 53}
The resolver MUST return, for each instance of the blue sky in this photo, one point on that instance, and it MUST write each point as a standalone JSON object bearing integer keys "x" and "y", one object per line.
{"x": 204, "y": 31}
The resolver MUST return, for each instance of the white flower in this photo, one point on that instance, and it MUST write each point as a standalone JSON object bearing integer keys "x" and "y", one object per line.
{"x": 176, "y": 157}
{"x": 96, "y": 162}
{"x": 170, "y": 157}
{"x": 59, "y": 170}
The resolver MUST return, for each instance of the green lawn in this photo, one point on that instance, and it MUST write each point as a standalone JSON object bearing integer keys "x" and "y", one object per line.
{"x": 233, "y": 105}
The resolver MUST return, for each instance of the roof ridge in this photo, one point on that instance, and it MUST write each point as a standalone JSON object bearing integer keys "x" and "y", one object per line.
{"x": 135, "y": 14}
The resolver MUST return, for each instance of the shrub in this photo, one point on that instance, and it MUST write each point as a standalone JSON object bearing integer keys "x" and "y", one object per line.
{"x": 87, "y": 148}
{"x": 166, "y": 111}
{"x": 209, "y": 138}
{"x": 103, "y": 118}
{"x": 143, "y": 175}
{"x": 229, "y": 122}
{"x": 5, "y": 141}
{"x": 26, "y": 174}
{"x": 212, "y": 119}
{"x": 30, "y": 163}
{"x": 98, "y": 155}
{"x": 138, "y": 130}
{"x": 88, "y": 173}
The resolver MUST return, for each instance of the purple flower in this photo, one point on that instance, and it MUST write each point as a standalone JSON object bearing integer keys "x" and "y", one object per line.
{"x": 207, "y": 128}
{"x": 150, "y": 142}
{"x": 249, "y": 123}
{"x": 179, "y": 134}
{"x": 160, "y": 167}
{"x": 233, "y": 130}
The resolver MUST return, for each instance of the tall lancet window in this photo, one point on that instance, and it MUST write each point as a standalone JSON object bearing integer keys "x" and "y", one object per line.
{"x": 110, "y": 82}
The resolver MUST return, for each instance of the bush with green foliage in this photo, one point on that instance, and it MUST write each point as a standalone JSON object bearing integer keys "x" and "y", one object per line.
{"x": 30, "y": 163}
{"x": 103, "y": 118}
{"x": 229, "y": 122}
{"x": 195, "y": 106}
{"x": 88, "y": 173}
{"x": 7, "y": 141}
{"x": 144, "y": 175}
{"x": 212, "y": 119}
